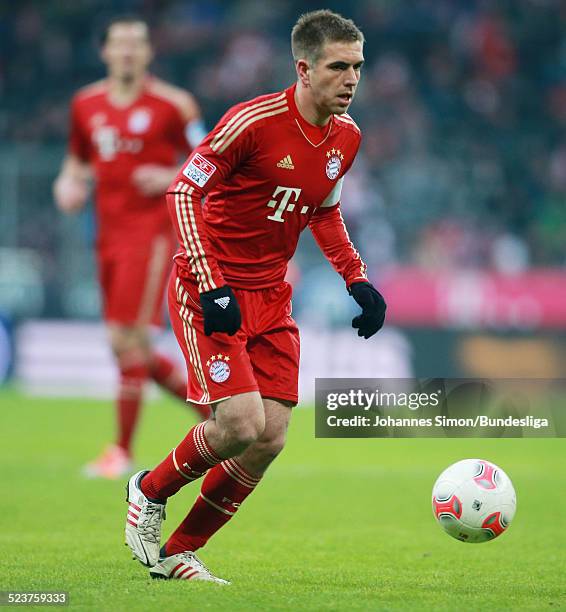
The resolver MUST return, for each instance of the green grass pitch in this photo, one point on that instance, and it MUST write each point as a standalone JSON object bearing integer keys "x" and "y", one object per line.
{"x": 336, "y": 524}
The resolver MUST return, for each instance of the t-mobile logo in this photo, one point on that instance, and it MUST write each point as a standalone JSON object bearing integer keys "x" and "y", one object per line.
{"x": 285, "y": 203}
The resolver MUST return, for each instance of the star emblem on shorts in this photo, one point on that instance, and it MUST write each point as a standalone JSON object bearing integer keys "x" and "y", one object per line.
{"x": 219, "y": 357}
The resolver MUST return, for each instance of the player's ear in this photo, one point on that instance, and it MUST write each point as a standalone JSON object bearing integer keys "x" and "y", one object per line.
{"x": 150, "y": 55}
{"x": 103, "y": 53}
{"x": 303, "y": 68}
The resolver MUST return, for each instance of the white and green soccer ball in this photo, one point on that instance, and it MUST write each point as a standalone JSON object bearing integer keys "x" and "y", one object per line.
{"x": 474, "y": 500}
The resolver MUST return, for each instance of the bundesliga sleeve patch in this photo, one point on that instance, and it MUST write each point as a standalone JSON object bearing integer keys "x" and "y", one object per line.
{"x": 199, "y": 170}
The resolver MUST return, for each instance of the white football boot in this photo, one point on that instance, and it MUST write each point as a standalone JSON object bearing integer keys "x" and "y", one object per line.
{"x": 183, "y": 566}
{"x": 143, "y": 522}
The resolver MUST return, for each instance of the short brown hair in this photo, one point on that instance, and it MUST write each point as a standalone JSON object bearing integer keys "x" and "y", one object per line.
{"x": 316, "y": 28}
{"x": 128, "y": 19}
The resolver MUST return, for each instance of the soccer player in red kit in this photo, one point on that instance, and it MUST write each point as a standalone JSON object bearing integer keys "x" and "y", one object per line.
{"x": 270, "y": 168}
{"x": 128, "y": 132}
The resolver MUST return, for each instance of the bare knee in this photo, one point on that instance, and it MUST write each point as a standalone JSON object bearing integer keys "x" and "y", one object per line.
{"x": 272, "y": 441}
{"x": 240, "y": 437}
{"x": 267, "y": 450}
{"x": 129, "y": 343}
{"x": 244, "y": 430}
{"x": 240, "y": 421}
{"x": 259, "y": 455}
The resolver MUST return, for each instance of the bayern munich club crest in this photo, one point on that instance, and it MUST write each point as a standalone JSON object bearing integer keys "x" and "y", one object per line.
{"x": 334, "y": 163}
{"x": 218, "y": 368}
{"x": 139, "y": 121}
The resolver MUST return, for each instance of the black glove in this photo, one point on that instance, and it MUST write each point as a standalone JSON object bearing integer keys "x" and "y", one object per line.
{"x": 373, "y": 309}
{"x": 220, "y": 311}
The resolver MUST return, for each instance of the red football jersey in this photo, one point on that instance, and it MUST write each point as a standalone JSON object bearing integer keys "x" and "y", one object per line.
{"x": 117, "y": 140}
{"x": 266, "y": 174}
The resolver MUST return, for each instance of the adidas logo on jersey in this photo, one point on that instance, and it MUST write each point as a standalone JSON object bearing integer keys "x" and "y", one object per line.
{"x": 222, "y": 302}
{"x": 286, "y": 163}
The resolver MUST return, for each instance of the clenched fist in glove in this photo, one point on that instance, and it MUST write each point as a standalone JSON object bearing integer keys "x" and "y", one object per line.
{"x": 221, "y": 311}
{"x": 373, "y": 309}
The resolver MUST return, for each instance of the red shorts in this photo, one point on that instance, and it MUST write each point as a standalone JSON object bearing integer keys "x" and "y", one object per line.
{"x": 133, "y": 282}
{"x": 262, "y": 356}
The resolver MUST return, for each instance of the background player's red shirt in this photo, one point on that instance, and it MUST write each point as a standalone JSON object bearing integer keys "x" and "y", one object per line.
{"x": 117, "y": 140}
{"x": 266, "y": 174}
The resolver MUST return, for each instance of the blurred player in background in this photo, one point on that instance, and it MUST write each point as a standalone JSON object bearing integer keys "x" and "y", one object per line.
{"x": 271, "y": 167}
{"x": 128, "y": 132}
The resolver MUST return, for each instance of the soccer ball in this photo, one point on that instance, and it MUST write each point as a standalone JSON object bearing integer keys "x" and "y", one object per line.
{"x": 474, "y": 500}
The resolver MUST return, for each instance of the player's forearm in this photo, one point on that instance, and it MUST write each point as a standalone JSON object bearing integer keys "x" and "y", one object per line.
{"x": 75, "y": 168}
{"x": 330, "y": 233}
{"x": 169, "y": 174}
{"x": 162, "y": 176}
{"x": 152, "y": 180}
{"x": 72, "y": 185}
{"x": 186, "y": 213}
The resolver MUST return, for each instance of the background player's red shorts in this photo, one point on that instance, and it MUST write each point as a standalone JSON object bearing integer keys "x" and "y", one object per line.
{"x": 133, "y": 282}
{"x": 262, "y": 356}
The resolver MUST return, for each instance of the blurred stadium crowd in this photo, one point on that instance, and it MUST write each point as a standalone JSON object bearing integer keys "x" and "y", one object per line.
{"x": 462, "y": 106}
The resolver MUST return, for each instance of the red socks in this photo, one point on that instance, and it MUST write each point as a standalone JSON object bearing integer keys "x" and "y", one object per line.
{"x": 163, "y": 371}
{"x": 133, "y": 375}
{"x": 224, "y": 488}
{"x": 187, "y": 462}
{"x": 132, "y": 379}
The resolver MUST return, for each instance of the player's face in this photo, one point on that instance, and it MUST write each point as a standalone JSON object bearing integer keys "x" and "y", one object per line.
{"x": 335, "y": 76}
{"x": 127, "y": 50}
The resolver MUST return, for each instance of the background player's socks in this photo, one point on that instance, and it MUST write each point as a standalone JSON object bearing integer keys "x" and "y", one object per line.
{"x": 163, "y": 371}
{"x": 189, "y": 461}
{"x": 223, "y": 490}
{"x": 132, "y": 379}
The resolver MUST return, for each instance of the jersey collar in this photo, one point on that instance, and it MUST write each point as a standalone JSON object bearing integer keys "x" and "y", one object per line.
{"x": 124, "y": 107}
{"x": 314, "y": 134}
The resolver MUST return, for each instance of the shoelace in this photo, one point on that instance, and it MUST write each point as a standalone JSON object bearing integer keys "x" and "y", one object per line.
{"x": 150, "y": 526}
{"x": 192, "y": 560}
